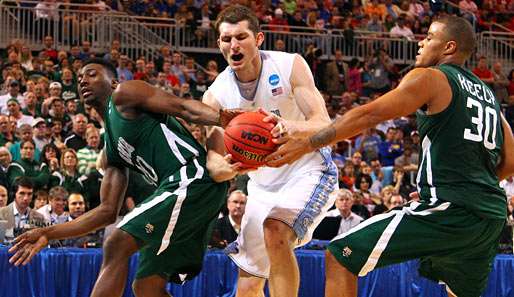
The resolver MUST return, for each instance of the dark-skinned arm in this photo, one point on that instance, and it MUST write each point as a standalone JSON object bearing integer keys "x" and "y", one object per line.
{"x": 506, "y": 166}
{"x": 112, "y": 192}
{"x": 140, "y": 95}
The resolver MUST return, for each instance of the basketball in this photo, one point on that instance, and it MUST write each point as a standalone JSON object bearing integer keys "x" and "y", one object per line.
{"x": 248, "y": 139}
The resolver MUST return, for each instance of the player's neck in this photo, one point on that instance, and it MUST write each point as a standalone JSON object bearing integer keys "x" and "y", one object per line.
{"x": 251, "y": 72}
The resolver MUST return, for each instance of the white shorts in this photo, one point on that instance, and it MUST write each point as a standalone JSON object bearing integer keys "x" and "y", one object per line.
{"x": 302, "y": 202}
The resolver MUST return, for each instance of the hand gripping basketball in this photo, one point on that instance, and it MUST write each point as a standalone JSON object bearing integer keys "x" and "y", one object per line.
{"x": 248, "y": 139}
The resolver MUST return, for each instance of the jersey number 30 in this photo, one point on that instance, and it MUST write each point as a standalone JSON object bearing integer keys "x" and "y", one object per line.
{"x": 487, "y": 135}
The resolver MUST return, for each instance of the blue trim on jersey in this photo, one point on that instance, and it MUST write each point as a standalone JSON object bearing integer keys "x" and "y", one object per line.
{"x": 319, "y": 197}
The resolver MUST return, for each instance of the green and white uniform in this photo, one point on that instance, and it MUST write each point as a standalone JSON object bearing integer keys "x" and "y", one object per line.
{"x": 455, "y": 227}
{"x": 174, "y": 224}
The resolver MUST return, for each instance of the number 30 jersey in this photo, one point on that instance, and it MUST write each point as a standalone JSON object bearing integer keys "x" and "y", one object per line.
{"x": 461, "y": 147}
{"x": 155, "y": 145}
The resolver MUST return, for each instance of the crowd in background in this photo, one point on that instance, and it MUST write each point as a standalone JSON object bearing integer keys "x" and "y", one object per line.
{"x": 50, "y": 140}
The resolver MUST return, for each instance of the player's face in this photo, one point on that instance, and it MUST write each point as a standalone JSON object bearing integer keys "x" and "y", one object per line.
{"x": 238, "y": 44}
{"x": 94, "y": 83}
{"x": 431, "y": 48}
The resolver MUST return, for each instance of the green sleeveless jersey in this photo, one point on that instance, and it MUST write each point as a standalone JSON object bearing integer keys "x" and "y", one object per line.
{"x": 154, "y": 145}
{"x": 461, "y": 147}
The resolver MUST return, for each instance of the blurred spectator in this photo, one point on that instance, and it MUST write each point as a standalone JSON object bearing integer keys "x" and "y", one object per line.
{"x": 390, "y": 149}
{"x": 468, "y": 10}
{"x": 69, "y": 175}
{"x": 41, "y": 199}
{"x": 15, "y": 114}
{"x": 408, "y": 160}
{"x": 39, "y": 131}
{"x": 199, "y": 86}
{"x": 18, "y": 214}
{"x": 347, "y": 176}
{"x": 56, "y": 133}
{"x": 165, "y": 55}
{"x": 416, "y": 9}
{"x": 5, "y": 161}
{"x": 3, "y": 196}
{"x": 343, "y": 211}
{"x": 54, "y": 212}
{"x": 31, "y": 108}
{"x": 140, "y": 73}
{"x": 482, "y": 71}
{"x": 7, "y": 137}
{"x": 13, "y": 92}
{"x": 86, "y": 52}
{"x": 190, "y": 69}
{"x": 69, "y": 86}
{"x": 26, "y": 58}
{"x": 212, "y": 71}
{"x": 415, "y": 141}
{"x": 115, "y": 46}
{"x": 27, "y": 166}
{"x": 87, "y": 156}
{"x": 124, "y": 73}
{"x": 77, "y": 207}
{"x": 162, "y": 83}
{"x": 396, "y": 200}
{"x": 400, "y": 30}
{"x": 374, "y": 8}
{"x": 227, "y": 228}
{"x": 380, "y": 66}
{"x": 49, "y": 50}
{"x": 336, "y": 74}
{"x": 368, "y": 144}
{"x": 279, "y": 45}
{"x": 279, "y": 23}
{"x": 177, "y": 68}
{"x": 76, "y": 140}
{"x": 172, "y": 79}
{"x": 25, "y": 133}
{"x": 500, "y": 83}
{"x": 50, "y": 156}
{"x": 363, "y": 184}
{"x": 508, "y": 185}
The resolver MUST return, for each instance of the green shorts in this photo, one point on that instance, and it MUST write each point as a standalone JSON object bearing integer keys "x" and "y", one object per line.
{"x": 173, "y": 227}
{"x": 454, "y": 246}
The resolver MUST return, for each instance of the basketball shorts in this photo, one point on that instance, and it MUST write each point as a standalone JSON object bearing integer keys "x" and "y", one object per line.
{"x": 173, "y": 227}
{"x": 302, "y": 202}
{"x": 454, "y": 246}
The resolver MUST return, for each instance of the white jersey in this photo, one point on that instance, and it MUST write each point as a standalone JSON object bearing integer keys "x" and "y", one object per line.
{"x": 273, "y": 94}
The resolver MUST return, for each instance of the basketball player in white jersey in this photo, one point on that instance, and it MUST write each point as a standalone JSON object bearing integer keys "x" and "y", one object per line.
{"x": 284, "y": 204}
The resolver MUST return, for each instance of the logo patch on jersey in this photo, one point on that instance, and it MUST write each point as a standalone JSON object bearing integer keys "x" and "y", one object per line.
{"x": 347, "y": 252}
{"x": 277, "y": 91}
{"x": 274, "y": 79}
{"x": 149, "y": 228}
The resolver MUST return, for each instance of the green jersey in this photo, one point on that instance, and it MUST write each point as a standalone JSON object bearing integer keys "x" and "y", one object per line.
{"x": 461, "y": 148}
{"x": 154, "y": 145}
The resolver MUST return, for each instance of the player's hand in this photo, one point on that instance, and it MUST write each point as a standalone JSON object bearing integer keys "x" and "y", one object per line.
{"x": 283, "y": 129}
{"x": 223, "y": 168}
{"x": 226, "y": 115}
{"x": 27, "y": 246}
{"x": 290, "y": 151}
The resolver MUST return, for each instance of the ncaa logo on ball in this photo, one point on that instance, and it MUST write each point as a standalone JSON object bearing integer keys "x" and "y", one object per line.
{"x": 274, "y": 79}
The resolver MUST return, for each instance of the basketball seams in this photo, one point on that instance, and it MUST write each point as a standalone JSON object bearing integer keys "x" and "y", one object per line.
{"x": 249, "y": 124}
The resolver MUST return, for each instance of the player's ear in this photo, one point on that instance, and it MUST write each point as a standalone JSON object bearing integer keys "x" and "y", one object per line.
{"x": 259, "y": 39}
{"x": 450, "y": 47}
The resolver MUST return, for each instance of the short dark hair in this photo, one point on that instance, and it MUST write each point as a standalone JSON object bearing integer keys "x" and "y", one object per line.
{"x": 106, "y": 64}
{"x": 235, "y": 14}
{"x": 22, "y": 181}
{"x": 460, "y": 30}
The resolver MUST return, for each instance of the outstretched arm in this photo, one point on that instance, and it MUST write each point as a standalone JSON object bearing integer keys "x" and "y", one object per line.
{"x": 139, "y": 95}
{"x": 410, "y": 95}
{"x": 506, "y": 166}
{"x": 112, "y": 192}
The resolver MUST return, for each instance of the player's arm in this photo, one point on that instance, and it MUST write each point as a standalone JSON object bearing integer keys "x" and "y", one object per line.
{"x": 139, "y": 95}
{"x": 112, "y": 192}
{"x": 219, "y": 165}
{"x": 506, "y": 166}
{"x": 308, "y": 99}
{"x": 411, "y": 94}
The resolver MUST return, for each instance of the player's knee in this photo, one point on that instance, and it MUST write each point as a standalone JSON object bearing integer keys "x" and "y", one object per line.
{"x": 114, "y": 251}
{"x": 148, "y": 287}
{"x": 278, "y": 235}
{"x": 249, "y": 288}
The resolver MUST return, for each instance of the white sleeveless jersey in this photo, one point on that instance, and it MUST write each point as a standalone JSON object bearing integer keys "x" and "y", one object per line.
{"x": 273, "y": 94}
